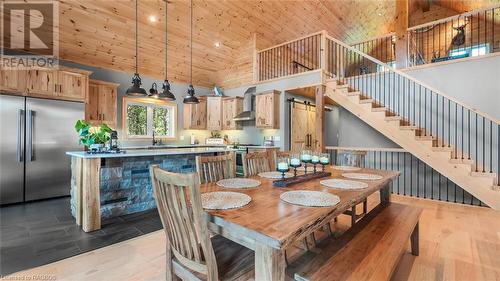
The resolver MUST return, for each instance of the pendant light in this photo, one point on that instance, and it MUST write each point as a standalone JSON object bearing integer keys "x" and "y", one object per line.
{"x": 190, "y": 98}
{"x": 166, "y": 94}
{"x": 135, "y": 89}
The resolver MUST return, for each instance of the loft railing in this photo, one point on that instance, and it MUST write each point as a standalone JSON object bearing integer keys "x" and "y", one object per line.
{"x": 293, "y": 57}
{"x": 472, "y": 134}
{"x": 381, "y": 48}
{"x": 416, "y": 178}
{"x": 470, "y": 34}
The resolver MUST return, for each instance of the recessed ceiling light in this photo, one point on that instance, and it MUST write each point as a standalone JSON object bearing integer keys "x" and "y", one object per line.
{"x": 217, "y": 44}
{"x": 152, "y": 18}
{"x": 379, "y": 14}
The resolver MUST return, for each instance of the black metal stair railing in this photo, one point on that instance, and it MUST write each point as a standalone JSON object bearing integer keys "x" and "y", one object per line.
{"x": 416, "y": 178}
{"x": 382, "y": 48}
{"x": 470, "y": 134}
{"x": 294, "y": 57}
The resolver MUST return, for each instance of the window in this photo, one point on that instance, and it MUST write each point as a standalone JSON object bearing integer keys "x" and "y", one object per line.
{"x": 144, "y": 116}
{"x": 474, "y": 51}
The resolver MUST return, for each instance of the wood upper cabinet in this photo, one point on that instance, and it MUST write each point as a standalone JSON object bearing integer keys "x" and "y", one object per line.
{"x": 230, "y": 108}
{"x": 64, "y": 83}
{"x": 42, "y": 82}
{"x": 267, "y": 110}
{"x": 214, "y": 113}
{"x": 195, "y": 115}
{"x": 13, "y": 81}
{"x": 72, "y": 85}
{"x": 101, "y": 103}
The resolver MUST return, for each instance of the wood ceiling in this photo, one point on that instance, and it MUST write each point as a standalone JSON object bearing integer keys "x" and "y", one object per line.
{"x": 101, "y": 33}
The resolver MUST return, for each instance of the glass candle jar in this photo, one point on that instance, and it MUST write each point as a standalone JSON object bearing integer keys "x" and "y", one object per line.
{"x": 283, "y": 166}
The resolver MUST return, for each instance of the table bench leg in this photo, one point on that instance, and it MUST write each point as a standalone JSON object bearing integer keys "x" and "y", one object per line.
{"x": 414, "y": 241}
{"x": 269, "y": 263}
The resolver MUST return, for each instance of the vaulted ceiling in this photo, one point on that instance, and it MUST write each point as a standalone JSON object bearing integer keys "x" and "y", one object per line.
{"x": 101, "y": 32}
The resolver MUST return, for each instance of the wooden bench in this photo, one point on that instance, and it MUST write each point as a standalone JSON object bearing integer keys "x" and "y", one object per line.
{"x": 370, "y": 250}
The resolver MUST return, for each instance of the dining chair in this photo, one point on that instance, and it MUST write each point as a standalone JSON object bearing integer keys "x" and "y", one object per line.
{"x": 190, "y": 252}
{"x": 257, "y": 162}
{"x": 215, "y": 168}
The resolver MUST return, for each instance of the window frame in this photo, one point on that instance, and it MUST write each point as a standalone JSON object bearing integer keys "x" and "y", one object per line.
{"x": 150, "y": 105}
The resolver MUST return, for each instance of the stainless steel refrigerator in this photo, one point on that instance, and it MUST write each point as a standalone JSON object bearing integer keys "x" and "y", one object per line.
{"x": 34, "y": 136}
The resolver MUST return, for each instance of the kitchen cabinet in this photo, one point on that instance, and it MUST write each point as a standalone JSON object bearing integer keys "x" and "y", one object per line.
{"x": 267, "y": 110}
{"x": 13, "y": 81}
{"x": 214, "y": 113}
{"x": 41, "y": 82}
{"x": 72, "y": 85}
{"x": 195, "y": 115}
{"x": 64, "y": 83}
{"x": 231, "y": 107}
{"x": 101, "y": 103}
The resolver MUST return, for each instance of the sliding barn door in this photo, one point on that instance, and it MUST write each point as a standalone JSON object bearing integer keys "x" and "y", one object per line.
{"x": 303, "y": 132}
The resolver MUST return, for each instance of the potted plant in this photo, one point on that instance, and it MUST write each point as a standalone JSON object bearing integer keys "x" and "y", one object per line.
{"x": 93, "y": 137}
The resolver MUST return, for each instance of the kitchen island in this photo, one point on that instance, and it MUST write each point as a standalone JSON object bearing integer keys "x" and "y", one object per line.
{"x": 113, "y": 184}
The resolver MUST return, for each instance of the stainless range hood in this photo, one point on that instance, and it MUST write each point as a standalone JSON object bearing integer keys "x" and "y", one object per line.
{"x": 248, "y": 113}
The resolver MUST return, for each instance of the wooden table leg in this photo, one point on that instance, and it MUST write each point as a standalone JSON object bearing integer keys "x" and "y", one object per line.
{"x": 385, "y": 193}
{"x": 269, "y": 263}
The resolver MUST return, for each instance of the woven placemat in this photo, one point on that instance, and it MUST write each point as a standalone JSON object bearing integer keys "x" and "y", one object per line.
{"x": 362, "y": 176}
{"x": 343, "y": 184}
{"x": 238, "y": 183}
{"x": 310, "y": 198}
{"x": 346, "y": 168}
{"x": 223, "y": 200}
{"x": 274, "y": 175}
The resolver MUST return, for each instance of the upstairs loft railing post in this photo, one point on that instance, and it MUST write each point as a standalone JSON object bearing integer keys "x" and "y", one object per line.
{"x": 323, "y": 56}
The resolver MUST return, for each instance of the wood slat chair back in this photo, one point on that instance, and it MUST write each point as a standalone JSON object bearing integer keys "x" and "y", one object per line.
{"x": 215, "y": 168}
{"x": 178, "y": 200}
{"x": 257, "y": 162}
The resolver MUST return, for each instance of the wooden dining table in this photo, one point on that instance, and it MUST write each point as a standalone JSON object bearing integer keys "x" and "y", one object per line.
{"x": 269, "y": 225}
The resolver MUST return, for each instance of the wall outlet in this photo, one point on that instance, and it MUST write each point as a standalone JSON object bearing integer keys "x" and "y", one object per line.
{"x": 181, "y": 137}
{"x": 277, "y": 138}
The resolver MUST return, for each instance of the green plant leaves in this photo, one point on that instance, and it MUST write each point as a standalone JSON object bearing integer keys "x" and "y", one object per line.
{"x": 100, "y": 135}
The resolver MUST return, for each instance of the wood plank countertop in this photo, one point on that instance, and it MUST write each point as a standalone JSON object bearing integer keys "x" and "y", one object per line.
{"x": 269, "y": 221}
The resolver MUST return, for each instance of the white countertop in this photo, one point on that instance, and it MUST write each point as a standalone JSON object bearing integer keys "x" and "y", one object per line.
{"x": 151, "y": 152}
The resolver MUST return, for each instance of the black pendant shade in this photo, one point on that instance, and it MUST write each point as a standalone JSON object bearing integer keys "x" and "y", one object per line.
{"x": 190, "y": 98}
{"x": 166, "y": 94}
{"x": 153, "y": 92}
{"x": 135, "y": 89}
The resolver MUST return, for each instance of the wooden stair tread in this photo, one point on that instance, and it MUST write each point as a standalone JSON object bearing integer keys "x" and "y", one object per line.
{"x": 366, "y": 101}
{"x": 379, "y": 109}
{"x": 485, "y": 174}
{"x": 378, "y": 239}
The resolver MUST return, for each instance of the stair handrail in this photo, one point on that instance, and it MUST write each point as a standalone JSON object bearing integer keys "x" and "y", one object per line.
{"x": 483, "y": 114}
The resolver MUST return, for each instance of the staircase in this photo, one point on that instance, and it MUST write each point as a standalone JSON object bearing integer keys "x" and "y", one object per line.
{"x": 457, "y": 141}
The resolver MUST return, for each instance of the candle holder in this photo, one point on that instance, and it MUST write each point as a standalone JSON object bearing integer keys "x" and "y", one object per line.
{"x": 283, "y": 166}
{"x": 305, "y": 157}
{"x": 324, "y": 159}
{"x": 314, "y": 161}
{"x": 295, "y": 163}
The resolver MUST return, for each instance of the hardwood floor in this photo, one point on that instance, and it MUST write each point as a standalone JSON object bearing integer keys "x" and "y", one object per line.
{"x": 458, "y": 242}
